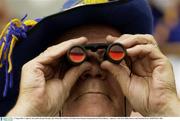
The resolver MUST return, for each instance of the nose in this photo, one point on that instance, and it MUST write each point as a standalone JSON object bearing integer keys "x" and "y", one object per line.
{"x": 95, "y": 57}
{"x": 95, "y": 72}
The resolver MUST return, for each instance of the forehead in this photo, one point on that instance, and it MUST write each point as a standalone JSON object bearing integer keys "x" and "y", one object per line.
{"x": 94, "y": 33}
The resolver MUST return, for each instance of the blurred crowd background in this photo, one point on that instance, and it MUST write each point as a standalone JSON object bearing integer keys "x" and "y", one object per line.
{"x": 166, "y": 22}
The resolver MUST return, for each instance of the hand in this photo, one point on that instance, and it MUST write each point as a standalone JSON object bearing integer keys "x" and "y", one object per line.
{"x": 151, "y": 87}
{"x": 42, "y": 92}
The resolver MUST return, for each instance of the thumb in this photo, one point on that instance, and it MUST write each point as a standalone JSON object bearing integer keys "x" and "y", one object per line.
{"x": 120, "y": 73}
{"x": 73, "y": 74}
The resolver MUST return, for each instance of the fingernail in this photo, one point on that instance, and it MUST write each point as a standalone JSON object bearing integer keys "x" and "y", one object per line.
{"x": 104, "y": 64}
{"x": 84, "y": 38}
{"x": 109, "y": 37}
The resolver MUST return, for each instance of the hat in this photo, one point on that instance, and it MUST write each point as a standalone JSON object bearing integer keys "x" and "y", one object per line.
{"x": 22, "y": 41}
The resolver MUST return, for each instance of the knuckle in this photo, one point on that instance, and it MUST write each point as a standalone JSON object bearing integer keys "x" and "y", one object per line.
{"x": 149, "y": 36}
{"x": 141, "y": 49}
{"x": 150, "y": 46}
{"x": 68, "y": 43}
{"x": 49, "y": 49}
{"x": 72, "y": 42}
{"x": 64, "y": 43}
{"x": 41, "y": 54}
{"x": 48, "y": 52}
{"x": 24, "y": 67}
{"x": 27, "y": 65}
{"x": 139, "y": 46}
{"x": 137, "y": 40}
{"x": 167, "y": 61}
{"x": 139, "y": 35}
{"x": 126, "y": 35}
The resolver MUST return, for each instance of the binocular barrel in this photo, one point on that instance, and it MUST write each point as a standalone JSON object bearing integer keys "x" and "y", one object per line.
{"x": 114, "y": 53}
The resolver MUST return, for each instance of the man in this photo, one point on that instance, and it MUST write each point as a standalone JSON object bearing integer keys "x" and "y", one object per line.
{"x": 51, "y": 87}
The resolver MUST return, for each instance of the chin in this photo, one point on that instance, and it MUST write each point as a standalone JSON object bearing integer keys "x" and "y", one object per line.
{"x": 91, "y": 110}
{"x": 88, "y": 106}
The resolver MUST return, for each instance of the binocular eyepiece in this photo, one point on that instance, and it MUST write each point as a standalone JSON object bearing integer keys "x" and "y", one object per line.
{"x": 114, "y": 53}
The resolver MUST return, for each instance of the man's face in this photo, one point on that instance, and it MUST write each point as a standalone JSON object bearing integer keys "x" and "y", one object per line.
{"x": 96, "y": 92}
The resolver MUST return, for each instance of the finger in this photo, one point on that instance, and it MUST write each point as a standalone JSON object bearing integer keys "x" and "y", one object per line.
{"x": 120, "y": 73}
{"x": 56, "y": 51}
{"x": 49, "y": 72}
{"x": 73, "y": 74}
{"x": 32, "y": 75}
{"x": 145, "y": 50}
{"x": 133, "y": 40}
{"x": 111, "y": 38}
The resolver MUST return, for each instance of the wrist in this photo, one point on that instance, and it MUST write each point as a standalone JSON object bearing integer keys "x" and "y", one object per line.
{"x": 28, "y": 109}
{"x": 20, "y": 110}
{"x": 171, "y": 109}
{"x": 174, "y": 109}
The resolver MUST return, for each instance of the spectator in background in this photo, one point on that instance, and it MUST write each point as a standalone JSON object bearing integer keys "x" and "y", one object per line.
{"x": 157, "y": 12}
{"x": 166, "y": 20}
{"x": 167, "y": 31}
{"x": 4, "y": 14}
{"x": 175, "y": 30}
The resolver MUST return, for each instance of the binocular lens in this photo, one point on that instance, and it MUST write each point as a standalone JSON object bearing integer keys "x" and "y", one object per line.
{"x": 116, "y": 53}
{"x": 77, "y": 55}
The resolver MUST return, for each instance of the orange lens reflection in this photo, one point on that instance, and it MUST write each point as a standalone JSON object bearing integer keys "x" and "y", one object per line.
{"x": 77, "y": 55}
{"x": 116, "y": 53}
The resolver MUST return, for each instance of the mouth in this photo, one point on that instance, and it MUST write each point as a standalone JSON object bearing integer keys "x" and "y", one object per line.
{"x": 93, "y": 93}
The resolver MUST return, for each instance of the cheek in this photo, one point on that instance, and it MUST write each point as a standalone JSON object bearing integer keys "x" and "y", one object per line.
{"x": 116, "y": 94}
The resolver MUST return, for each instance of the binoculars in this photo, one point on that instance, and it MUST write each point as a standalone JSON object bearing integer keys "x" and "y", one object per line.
{"x": 114, "y": 53}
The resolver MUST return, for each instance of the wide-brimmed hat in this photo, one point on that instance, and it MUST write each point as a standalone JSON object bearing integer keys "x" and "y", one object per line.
{"x": 22, "y": 41}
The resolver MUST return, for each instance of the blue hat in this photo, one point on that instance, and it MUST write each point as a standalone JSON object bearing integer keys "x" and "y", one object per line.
{"x": 33, "y": 36}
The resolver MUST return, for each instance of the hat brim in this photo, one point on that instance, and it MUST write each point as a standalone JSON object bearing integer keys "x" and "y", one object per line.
{"x": 131, "y": 17}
